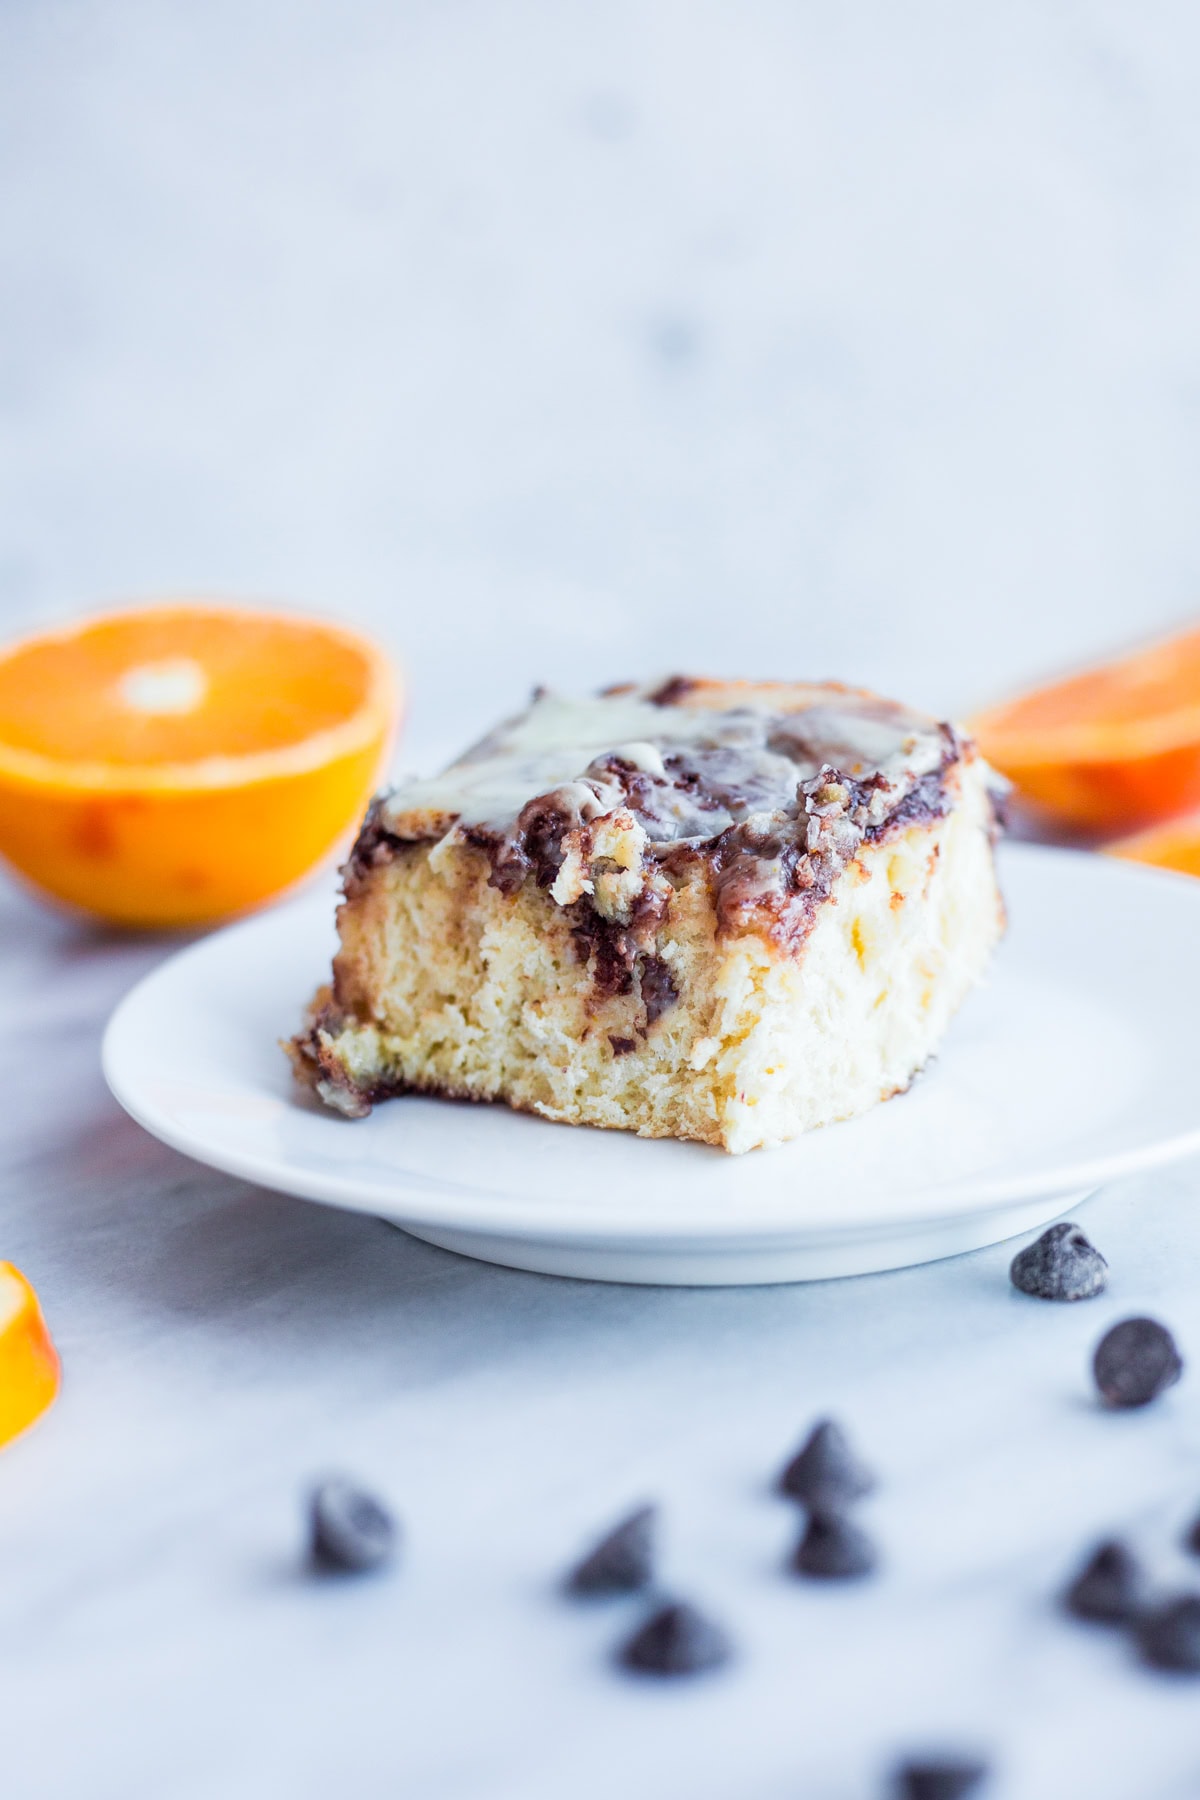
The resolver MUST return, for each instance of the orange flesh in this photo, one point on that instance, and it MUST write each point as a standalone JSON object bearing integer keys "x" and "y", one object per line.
{"x": 1156, "y": 684}
{"x": 1110, "y": 750}
{"x": 29, "y": 1367}
{"x": 265, "y": 684}
{"x": 181, "y": 763}
{"x": 1139, "y": 704}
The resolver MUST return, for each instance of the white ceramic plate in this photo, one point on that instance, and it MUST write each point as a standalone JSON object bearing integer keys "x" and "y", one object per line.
{"x": 1072, "y": 1066}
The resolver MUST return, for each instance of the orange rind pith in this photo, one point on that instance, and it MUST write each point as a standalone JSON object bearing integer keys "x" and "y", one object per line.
{"x": 1110, "y": 750}
{"x": 180, "y": 763}
{"x": 29, "y": 1368}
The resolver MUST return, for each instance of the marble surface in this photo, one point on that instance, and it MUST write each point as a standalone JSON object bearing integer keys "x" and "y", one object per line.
{"x": 563, "y": 344}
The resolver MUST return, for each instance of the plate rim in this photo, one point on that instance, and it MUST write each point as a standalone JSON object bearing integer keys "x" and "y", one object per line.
{"x": 461, "y": 1208}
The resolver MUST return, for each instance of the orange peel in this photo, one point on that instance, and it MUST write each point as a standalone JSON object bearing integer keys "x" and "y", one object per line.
{"x": 29, "y": 1366}
{"x": 1175, "y": 845}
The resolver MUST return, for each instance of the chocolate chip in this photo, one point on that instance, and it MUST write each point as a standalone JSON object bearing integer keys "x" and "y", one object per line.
{"x": 351, "y": 1531}
{"x": 825, "y": 1473}
{"x": 950, "y": 1780}
{"x": 834, "y": 1548}
{"x": 1169, "y": 1635}
{"x": 1191, "y": 1536}
{"x": 1062, "y": 1265}
{"x": 1108, "y": 1587}
{"x": 677, "y": 1640}
{"x": 622, "y": 1561}
{"x": 1135, "y": 1361}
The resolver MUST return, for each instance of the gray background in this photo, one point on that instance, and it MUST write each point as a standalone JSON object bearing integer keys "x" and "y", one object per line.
{"x": 565, "y": 343}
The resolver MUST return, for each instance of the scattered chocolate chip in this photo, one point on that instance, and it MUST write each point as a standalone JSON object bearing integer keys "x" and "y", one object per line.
{"x": 677, "y": 1640}
{"x": 351, "y": 1531}
{"x": 1062, "y": 1265}
{"x": 1135, "y": 1361}
{"x": 1169, "y": 1635}
{"x": 950, "y": 1780}
{"x": 834, "y": 1548}
{"x": 1108, "y": 1587}
{"x": 622, "y": 1561}
{"x": 825, "y": 1473}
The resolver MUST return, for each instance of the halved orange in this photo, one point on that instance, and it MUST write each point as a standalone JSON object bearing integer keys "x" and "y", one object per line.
{"x": 178, "y": 763}
{"x": 1109, "y": 750}
{"x": 1175, "y": 845}
{"x": 29, "y": 1368}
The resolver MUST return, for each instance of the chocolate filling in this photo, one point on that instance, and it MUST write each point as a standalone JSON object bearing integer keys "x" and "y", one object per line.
{"x": 673, "y": 691}
{"x": 318, "y": 1068}
{"x": 373, "y": 846}
{"x": 533, "y": 847}
{"x": 622, "y": 958}
{"x": 658, "y": 988}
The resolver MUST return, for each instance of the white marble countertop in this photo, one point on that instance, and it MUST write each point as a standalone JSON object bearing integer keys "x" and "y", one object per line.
{"x": 565, "y": 345}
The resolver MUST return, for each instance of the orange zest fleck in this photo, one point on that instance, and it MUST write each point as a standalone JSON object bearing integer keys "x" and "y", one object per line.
{"x": 176, "y": 764}
{"x": 29, "y": 1366}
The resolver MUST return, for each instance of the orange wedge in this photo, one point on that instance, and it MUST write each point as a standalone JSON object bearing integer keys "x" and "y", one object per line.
{"x": 1175, "y": 845}
{"x": 179, "y": 763}
{"x": 29, "y": 1371}
{"x": 1109, "y": 750}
